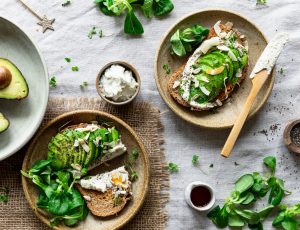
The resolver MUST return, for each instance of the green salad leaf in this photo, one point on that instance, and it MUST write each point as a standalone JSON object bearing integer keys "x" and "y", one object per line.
{"x": 270, "y": 162}
{"x": 248, "y": 189}
{"x": 132, "y": 24}
{"x": 57, "y": 194}
{"x": 184, "y": 40}
{"x": 288, "y": 217}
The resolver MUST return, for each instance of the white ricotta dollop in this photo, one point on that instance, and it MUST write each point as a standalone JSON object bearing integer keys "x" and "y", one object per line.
{"x": 117, "y": 83}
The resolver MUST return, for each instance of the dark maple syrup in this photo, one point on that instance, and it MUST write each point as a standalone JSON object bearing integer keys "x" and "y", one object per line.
{"x": 200, "y": 196}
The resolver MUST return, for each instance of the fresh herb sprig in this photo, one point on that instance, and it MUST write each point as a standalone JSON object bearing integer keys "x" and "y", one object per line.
{"x": 57, "y": 194}
{"x": 52, "y": 82}
{"x": 134, "y": 155}
{"x": 195, "y": 160}
{"x": 172, "y": 167}
{"x": 66, "y": 3}
{"x": 184, "y": 40}
{"x": 288, "y": 217}
{"x": 132, "y": 24}
{"x": 261, "y": 2}
{"x": 84, "y": 84}
{"x": 249, "y": 188}
{"x": 166, "y": 67}
{"x": 4, "y": 195}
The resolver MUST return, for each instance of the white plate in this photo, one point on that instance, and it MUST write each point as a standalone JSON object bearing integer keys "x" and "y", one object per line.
{"x": 25, "y": 116}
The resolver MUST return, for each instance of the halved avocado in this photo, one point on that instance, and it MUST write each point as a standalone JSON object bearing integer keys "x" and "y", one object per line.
{"x": 4, "y": 123}
{"x": 17, "y": 88}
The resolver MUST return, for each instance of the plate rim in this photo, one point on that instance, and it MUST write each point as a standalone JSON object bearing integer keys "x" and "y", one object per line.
{"x": 158, "y": 85}
{"x": 101, "y": 113}
{"x": 46, "y": 95}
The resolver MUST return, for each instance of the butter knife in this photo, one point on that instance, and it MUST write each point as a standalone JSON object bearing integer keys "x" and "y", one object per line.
{"x": 258, "y": 76}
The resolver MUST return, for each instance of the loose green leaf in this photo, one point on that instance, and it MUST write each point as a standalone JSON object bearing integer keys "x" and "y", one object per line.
{"x": 132, "y": 25}
{"x": 134, "y": 155}
{"x": 84, "y": 84}
{"x": 162, "y": 7}
{"x": 195, "y": 160}
{"x": 4, "y": 194}
{"x": 67, "y": 59}
{"x": 244, "y": 183}
{"x": 147, "y": 8}
{"x": 75, "y": 68}
{"x": 66, "y": 3}
{"x": 167, "y": 68}
{"x": 261, "y": 2}
{"x": 173, "y": 167}
{"x": 235, "y": 221}
{"x": 92, "y": 32}
{"x": 52, "y": 81}
{"x": 270, "y": 162}
{"x": 219, "y": 216}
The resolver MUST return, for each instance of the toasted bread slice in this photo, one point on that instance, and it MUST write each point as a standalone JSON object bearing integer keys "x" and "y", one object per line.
{"x": 224, "y": 94}
{"x": 102, "y": 204}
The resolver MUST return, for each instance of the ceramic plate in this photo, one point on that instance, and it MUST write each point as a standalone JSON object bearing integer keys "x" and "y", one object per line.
{"x": 224, "y": 116}
{"x": 38, "y": 150}
{"x": 26, "y": 115}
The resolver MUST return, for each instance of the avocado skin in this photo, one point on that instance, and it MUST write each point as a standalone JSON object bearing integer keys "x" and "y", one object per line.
{"x": 9, "y": 92}
{"x": 4, "y": 123}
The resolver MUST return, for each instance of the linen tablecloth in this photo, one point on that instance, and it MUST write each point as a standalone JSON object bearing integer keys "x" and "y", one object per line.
{"x": 261, "y": 136}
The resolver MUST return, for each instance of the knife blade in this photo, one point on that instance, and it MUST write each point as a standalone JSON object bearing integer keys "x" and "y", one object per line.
{"x": 270, "y": 54}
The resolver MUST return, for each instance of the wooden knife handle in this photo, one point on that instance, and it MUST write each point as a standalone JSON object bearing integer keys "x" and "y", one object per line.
{"x": 257, "y": 82}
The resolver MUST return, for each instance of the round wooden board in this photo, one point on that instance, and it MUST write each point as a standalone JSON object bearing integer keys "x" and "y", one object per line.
{"x": 225, "y": 116}
{"x": 38, "y": 151}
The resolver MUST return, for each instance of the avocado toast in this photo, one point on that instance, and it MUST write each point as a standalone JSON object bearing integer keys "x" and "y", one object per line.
{"x": 84, "y": 146}
{"x": 213, "y": 71}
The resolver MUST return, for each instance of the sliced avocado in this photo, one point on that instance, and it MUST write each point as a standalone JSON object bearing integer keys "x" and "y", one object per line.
{"x": 4, "y": 123}
{"x": 227, "y": 61}
{"x": 59, "y": 159}
{"x": 17, "y": 88}
{"x": 236, "y": 64}
{"x": 91, "y": 154}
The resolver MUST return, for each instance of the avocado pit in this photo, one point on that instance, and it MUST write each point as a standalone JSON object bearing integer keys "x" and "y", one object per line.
{"x": 5, "y": 77}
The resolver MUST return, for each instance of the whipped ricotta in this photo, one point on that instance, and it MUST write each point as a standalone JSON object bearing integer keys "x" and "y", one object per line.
{"x": 118, "y": 84}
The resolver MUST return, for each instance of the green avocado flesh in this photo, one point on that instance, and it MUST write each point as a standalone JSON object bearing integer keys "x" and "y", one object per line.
{"x": 17, "y": 89}
{"x": 63, "y": 152}
{"x": 213, "y": 84}
{"x": 4, "y": 123}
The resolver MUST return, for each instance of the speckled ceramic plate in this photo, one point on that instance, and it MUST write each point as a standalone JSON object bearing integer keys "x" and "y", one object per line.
{"x": 38, "y": 150}
{"x": 224, "y": 116}
{"x": 26, "y": 115}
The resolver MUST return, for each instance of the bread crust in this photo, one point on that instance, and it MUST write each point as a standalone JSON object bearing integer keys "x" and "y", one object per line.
{"x": 230, "y": 88}
{"x": 102, "y": 204}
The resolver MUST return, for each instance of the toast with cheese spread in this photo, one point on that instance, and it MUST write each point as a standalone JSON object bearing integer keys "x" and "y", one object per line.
{"x": 213, "y": 71}
{"x": 106, "y": 194}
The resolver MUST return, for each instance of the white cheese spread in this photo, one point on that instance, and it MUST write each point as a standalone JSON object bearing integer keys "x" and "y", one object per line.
{"x": 117, "y": 83}
{"x": 117, "y": 180}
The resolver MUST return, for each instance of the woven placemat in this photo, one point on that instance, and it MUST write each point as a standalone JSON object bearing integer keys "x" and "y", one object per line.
{"x": 143, "y": 117}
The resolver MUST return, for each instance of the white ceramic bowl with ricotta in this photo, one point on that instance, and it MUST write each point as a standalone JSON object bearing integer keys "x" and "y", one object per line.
{"x": 108, "y": 85}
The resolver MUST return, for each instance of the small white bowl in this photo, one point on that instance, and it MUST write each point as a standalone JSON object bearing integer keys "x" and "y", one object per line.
{"x": 188, "y": 200}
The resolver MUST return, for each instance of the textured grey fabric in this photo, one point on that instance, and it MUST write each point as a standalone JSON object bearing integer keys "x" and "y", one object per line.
{"x": 182, "y": 140}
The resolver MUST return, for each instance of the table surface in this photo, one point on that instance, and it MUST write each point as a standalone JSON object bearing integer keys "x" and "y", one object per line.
{"x": 182, "y": 140}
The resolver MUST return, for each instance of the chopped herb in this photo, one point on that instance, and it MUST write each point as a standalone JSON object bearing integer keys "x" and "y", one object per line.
{"x": 4, "y": 197}
{"x": 66, "y": 3}
{"x": 92, "y": 32}
{"x": 173, "y": 167}
{"x": 167, "y": 68}
{"x": 134, "y": 176}
{"x": 195, "y": 159}
{"x": 75, "y": 68}
{"x": 67, "y": 59}
{"x": 83, "y": 85}
{"x": 211, "y": 165}
{"x": 134, "y": 155}
{"x": 117, "y": 200}
{"x": 261, "y": 2}
{"x": 100, "y": 33}
{"x": 52, "y": 81}
{"x": 281, "y": 71}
